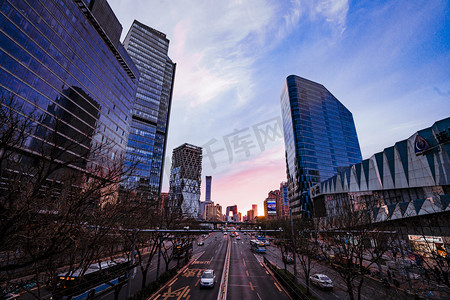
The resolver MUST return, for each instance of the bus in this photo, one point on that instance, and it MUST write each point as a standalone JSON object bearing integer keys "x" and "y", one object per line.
{"x": 97, "y": 279}
{"x": 258, "y": 246}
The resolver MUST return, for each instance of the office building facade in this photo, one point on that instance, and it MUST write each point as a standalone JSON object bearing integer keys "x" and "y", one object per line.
{"x": 147, "y": 141}
{"x": 62, "y": 63}
{"x": 212, "y": 212}
{"x": 284, "y": 201}
{"x": 319, "y": 135}
{"x": 185, "y": 180}
{"x": 406, "y": 187}
{"x": 406, "y": 180}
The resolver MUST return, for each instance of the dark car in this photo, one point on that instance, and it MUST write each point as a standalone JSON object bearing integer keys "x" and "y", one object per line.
{"x": 288, "y": 259}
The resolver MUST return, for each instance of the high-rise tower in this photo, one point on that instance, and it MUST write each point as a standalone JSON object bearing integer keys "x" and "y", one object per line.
{"x": 146, "y": 146}
{"x": 62, "y": 63}
{"x": 185, "y": 180}
{"x": 319, "y": 136}
{"x": 208, "y": 189}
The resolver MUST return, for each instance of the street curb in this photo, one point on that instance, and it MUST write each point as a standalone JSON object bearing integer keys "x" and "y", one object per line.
{"x": 276, "y": 280}
{"x": 176, "y": 276}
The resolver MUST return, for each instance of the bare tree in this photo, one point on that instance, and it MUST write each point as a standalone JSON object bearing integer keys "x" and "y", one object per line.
{"x": 307, "y": 247}
{"x": 56, "y": 197}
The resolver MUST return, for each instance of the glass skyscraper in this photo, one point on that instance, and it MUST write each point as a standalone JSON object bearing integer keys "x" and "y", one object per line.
{"x": 146, "y": 147}
{"x": 319, "y": 135}
{"x": 62, "y": 62}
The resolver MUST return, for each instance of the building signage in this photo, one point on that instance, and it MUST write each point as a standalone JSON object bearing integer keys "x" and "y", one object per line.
{"x": 426, "y": 239}
{"x": 271, "y": 207}
{"x": 420, "y": 145}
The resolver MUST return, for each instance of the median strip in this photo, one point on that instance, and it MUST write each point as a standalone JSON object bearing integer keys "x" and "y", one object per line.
{"x": 226, "y": 268}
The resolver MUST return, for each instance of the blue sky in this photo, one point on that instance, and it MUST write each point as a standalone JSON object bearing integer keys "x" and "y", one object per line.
{"x": 388, "y": 62}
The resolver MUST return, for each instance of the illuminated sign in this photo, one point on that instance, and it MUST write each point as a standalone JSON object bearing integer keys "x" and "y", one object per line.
{"x": 425, "y": 239}
{"x": 271, "y": 207}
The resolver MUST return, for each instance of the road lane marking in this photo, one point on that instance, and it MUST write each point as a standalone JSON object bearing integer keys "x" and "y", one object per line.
{"x": 173, "y": 281}
{"x": 246, "y": 272}
{"x": 251, "y": 286}
{"x": 277, "y": 286}
{"x": 244, "y": 262}
{"x": 258, "y": 296}
{"x": 189, "y": 296}
{"x": 197, "y": 282}
{"x": 157, "y": 297}
{"x": 187, "y": 290}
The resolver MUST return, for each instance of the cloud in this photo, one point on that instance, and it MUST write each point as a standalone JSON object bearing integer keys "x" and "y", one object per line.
{"x": 334, "y": 12}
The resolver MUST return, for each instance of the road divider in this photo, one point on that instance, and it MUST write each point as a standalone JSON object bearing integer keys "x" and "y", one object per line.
{"x": 226, "y": 268}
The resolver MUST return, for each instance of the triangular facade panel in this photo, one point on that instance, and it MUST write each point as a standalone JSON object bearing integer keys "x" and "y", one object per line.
{"x": 358, "y": 168}
{"x": 402, "y": 149}
{"x": 418, "y": 204}
{"x": 390, "y": 157}
{"x": 410, "y": 210}
{"x": 379, "y": 162}
{"x": 397, "y": 214}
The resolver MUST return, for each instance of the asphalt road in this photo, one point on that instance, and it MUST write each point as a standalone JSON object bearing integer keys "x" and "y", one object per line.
{"x": 248, "y": 279}
{"x": 187, "y": 285}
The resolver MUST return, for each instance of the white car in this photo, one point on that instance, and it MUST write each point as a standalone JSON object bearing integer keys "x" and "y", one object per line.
{"x": 208, "y": 278}
{"x": 322, "y": 281}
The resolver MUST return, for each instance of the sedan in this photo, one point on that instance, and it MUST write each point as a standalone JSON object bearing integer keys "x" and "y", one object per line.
{"x": 322, "y": 281}
{"x": 208, "y": 279}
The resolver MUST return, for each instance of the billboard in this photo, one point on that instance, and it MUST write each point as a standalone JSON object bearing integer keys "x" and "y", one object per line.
{"x": 271, "y": 207}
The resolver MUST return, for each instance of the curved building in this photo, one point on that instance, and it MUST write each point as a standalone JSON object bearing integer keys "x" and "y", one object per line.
{"x": 319, "y": 135}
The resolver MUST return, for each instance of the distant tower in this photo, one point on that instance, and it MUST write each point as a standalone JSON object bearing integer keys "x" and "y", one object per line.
{"x": 208, "y": 188}
{"x": 232, "y": 208}
{"x": 255, "y": 210}
{"x": 207, "y": 201}
{"x": 319, "y": 137}
{"x": 185, "y": 180}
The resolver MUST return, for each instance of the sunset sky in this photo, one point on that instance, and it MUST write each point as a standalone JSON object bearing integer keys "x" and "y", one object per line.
{"x": 388, "y": 62}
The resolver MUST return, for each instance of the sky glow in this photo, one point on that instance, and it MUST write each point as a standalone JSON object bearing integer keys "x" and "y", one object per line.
{"x": 388, "y": 62}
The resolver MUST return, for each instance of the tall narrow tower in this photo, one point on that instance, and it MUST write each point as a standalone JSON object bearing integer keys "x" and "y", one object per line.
{"x": 147, "y": 140}
{"x": 185, "y": 180}
{"x": 208, "y": 189}
{"x": 319, "y": 136}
